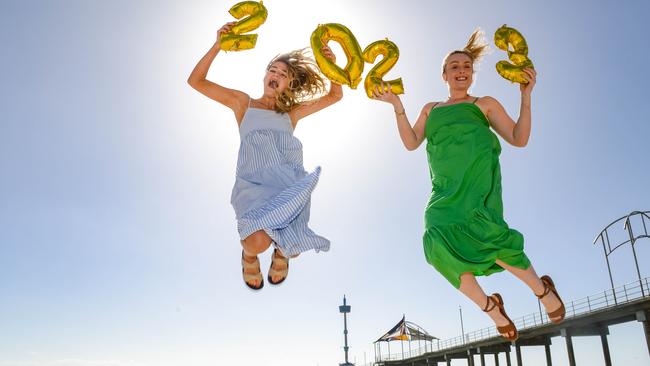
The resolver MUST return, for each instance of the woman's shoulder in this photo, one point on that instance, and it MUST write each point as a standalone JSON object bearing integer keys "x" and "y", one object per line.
{"x": 429, "y": 106}
{"x": 244, "y": 99}
{"x": 487, "y": 104}
{"x": 487, "y": 100}
{"x": 243, "y": 102}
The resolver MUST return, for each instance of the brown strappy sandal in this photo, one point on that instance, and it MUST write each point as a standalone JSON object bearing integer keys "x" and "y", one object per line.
{"x": 251, "y": 276}
{"x": 505, "y": 330}
{"x": 549, "y": 287}
{"x": 275, "y": 259}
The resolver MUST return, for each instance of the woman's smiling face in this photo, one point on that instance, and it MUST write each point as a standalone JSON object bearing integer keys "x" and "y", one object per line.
{"x": 459, "y": 71}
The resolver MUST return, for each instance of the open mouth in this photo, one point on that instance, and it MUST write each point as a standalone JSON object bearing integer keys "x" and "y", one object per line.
{"x": 273, "y": 84}
{"x": 461, "y": 78}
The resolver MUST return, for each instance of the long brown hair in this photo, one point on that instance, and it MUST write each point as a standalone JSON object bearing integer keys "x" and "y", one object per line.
{"x": 475, "y": 48}
{"x": 306, "y": 83}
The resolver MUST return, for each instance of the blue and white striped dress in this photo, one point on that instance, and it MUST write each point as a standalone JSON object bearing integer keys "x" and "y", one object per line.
{"x": 272, "y": 190}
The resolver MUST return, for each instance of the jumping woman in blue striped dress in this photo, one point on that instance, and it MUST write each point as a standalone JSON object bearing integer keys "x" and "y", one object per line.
{"x": 272, "y": 191}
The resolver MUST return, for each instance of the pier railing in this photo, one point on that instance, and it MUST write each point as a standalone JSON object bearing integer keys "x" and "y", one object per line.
{"x": 627, "y": 293}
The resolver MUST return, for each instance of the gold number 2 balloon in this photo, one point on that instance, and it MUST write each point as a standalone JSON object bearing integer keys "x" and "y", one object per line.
{"x": 351, "y": 74}
{"x": 390, "y": 52}
{"x": 504, "y": 37}
{"x": 235, "y": 40}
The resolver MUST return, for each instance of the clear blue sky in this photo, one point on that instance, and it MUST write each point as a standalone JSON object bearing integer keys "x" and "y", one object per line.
{"x": 118, "y": 245}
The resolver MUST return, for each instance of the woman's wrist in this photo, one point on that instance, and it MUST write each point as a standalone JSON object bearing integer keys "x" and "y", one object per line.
{"x": 398, "y": 108}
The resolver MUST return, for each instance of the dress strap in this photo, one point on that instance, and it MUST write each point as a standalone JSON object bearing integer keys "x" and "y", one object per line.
{"x": 249, "y": 101}
{"x": 474, "y": 102}
{"x": 432, "y": 107}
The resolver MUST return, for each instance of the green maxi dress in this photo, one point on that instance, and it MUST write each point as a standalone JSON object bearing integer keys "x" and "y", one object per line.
{"x": 464, "y": 226}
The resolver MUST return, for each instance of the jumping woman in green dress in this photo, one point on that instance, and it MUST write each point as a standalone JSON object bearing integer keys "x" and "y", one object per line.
{"x": 465, "y": 233}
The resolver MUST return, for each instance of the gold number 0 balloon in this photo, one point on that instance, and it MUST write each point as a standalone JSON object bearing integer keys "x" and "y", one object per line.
{"x": 390, "y": 52}
{"x": 351, "y": 74}
{"x": 502, "y": 38}
{"x": 235, "y": 40}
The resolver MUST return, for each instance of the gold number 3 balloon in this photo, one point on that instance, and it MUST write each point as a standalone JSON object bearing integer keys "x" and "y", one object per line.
{"x": 351, "y": 74}
{"x": 504, "y": 37}
{"x": 235, "y": 40}
{"x": 390, "y": 52}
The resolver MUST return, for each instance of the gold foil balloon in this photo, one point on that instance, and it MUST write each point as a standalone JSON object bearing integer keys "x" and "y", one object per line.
{"x": 351, "y": 74}
{"x": 390, "y": 54}
{"x": 503, "y": 38}
{"x": 235, "y": 40}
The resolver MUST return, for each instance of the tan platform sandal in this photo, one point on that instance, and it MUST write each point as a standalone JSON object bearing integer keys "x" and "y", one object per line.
{"x": 252, "y": 276}
{"x": 549, "y": 287}
{"x": 275, "y": 260}
{"x": 505, "y": 330}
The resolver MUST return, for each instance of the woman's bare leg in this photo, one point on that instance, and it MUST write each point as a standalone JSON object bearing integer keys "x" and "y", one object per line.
{"x": 470, "y": 287}
{"x": 530, "y": 278}
{"x": 256, "y": 243}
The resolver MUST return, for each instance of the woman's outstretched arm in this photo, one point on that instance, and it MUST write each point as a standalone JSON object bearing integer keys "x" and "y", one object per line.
{"x": 231, "y": 98}
{"x": 412, "y": 136}
{"x": 335, "y": 94}
{"x": 516, "y": 134}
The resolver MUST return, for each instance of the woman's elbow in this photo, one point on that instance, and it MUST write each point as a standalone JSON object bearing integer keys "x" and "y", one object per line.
{"x": 335, "y": 97}
{"x": 518, "y": 140}
{"x": 195, "y": 80}
{"x": 521, "y": 143}
{"x": 411, "y": 147}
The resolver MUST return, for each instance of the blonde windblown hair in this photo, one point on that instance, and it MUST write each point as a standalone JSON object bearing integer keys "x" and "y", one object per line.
{"x": 475, "y": 48}
{"x": 306, "y": 83}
